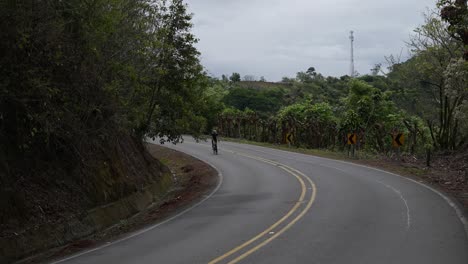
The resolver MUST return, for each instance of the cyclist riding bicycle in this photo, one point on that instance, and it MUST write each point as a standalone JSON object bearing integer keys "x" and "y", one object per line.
{"x": 214, "y": 141}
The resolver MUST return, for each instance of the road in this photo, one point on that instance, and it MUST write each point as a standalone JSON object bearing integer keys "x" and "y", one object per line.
{"x": 273, "y": 206}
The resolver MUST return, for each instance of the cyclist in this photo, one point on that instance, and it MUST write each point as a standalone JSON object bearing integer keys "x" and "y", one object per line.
{"x": 214, "y": 141}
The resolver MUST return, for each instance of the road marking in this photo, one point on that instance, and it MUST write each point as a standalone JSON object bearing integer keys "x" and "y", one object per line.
{"x": 398, "y": 192}
{"x": 300, "y": 201}
{"x": 290, "y": 224}
{"x": 460, "y": 212}
{"x": 408, "y": 217}
{"x": 137, "y": 233}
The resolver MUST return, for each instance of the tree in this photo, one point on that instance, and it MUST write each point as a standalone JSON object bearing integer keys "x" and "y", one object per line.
{"x": 211, "y": 102}
{"x": 175, "y": 79}
{"x": 261, "y": 101}
{"x": 311, "y": 71}
{"x": 83, "y": 81}
{"x": 321, "y": 125}
{"x": 370, "y": 113}
{"x": 377, "y": 69}
{"x": 230, "y": 119}
{"x": 434, "y": 48}
{"x": 235, "y": 77}
{"x": 287, "y": 80}
{"x": 456, "y": 90}
{"x": 76, "y": 71}
{"x": 456, "y": 14}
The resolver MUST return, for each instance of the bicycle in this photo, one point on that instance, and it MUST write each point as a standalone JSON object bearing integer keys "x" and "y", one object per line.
{"x": 214, "y": 146}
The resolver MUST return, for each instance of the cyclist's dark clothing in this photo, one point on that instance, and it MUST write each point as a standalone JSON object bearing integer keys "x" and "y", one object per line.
{"x": 214, "y": 137}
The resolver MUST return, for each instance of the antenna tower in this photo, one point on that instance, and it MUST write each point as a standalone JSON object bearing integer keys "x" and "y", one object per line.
{"x": 351, "y": 37}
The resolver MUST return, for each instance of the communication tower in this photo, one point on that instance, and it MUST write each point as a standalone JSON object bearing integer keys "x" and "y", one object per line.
{"x": 351, "y": 37}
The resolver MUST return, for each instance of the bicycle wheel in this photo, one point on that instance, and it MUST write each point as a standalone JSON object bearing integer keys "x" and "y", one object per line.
{"x": 214, "y": 146}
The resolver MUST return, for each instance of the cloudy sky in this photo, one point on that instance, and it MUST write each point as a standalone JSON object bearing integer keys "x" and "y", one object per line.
{"x": 276, "y": 38}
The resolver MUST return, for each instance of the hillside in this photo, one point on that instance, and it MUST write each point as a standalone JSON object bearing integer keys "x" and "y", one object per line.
{"x": 64, "y": 201}
{"x": 80, "y": 92}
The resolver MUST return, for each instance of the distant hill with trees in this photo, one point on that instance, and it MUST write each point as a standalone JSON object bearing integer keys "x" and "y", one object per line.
{"x": 425, "y": 98}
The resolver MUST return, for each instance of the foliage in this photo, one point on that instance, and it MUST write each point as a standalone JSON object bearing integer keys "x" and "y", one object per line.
{"x": 76, "y": 75}
{"x": 434, "y": 49}
{"x": 456, "y": 14}
{"x": 235, "y": 77}
{"x": 263, "y": 101}
{"x": 75, "y": 72}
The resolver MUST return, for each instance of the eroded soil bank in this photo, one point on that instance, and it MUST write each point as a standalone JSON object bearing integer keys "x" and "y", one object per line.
{"x": 183, "y": 181}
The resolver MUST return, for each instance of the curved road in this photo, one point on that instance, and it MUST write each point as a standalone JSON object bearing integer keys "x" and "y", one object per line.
{"x": 273, "y": 206}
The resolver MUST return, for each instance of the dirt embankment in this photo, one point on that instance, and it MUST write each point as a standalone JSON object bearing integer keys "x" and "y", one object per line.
{"x": 130, "y": 188}
{"x": 192, "y": 178}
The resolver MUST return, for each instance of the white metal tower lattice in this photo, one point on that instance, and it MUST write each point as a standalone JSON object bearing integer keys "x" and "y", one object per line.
{"x": 351, "y": 37}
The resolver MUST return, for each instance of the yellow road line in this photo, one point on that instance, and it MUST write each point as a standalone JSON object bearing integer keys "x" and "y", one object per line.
{"x": 309, "y": 204}
{"x": 296, "y": 174}
{"x": 301, "y": 198}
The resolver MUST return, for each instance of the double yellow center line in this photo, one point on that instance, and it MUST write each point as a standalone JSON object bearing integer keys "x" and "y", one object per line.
{"x": 244, "y": 250}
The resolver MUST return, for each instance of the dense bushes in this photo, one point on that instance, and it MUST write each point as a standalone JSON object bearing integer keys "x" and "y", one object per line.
{"x": 366, "y": 111}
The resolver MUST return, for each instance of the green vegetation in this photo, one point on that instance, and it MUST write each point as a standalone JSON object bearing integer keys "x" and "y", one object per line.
{"x": 72, "y": 70}
{"x": 455, "y": 13}
{"x": 425, "y": 98}
{"x": 82, "y": 84}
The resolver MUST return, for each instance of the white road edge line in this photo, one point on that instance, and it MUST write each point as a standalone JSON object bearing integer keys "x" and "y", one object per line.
{"x": 408, "y": 217}
{"x": 458, "y": 210}
{"x": 220, "y": 181}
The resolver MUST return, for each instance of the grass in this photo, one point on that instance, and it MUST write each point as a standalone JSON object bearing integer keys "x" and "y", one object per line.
{"x": 362, "y": 157}
{"x": 325, "y": 153}
{"x": 164, "y": 161}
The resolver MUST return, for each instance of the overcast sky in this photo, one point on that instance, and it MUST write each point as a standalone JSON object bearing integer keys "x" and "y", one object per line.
{"x": 276, "y": 38}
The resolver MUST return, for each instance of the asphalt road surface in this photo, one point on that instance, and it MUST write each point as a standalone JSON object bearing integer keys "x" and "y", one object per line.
{"x": 273, "y": 206}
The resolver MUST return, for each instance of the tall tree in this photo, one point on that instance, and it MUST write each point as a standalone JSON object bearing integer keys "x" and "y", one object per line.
{"x": 175, "y": 76}
{"x": 456, "y": 14}
{"x": 433, "y": 50}
{"x": 235, "y": 77}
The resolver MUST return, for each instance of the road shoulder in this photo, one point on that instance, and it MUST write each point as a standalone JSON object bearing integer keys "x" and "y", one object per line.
{"x": 194, "y": 180}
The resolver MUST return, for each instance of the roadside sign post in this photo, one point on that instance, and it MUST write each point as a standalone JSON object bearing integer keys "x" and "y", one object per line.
{"x": 289, "y": 138}
{"x": 351, "y": 141}
{"x": 398, "y": 140}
